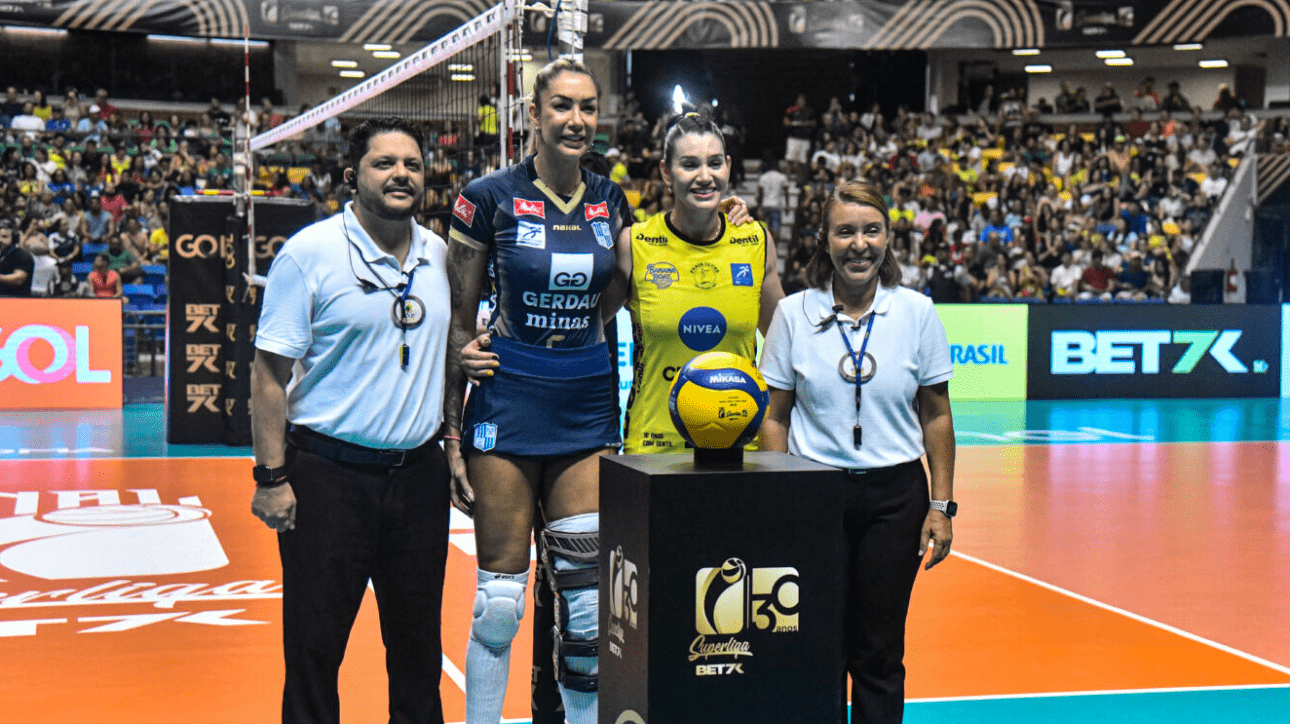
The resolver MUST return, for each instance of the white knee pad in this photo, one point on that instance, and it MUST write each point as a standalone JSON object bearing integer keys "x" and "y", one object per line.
{"x": 499, "y": 606}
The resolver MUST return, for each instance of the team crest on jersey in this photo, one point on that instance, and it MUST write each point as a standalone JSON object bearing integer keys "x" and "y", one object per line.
{"x": 603, "y": 237}
{"x": 705, "y": 275}
{"x": 530, "y": 208}
{"x": 485, "y": 436}
{"x": 464, "y": 210}
{"x": 662, "y": 274}
{"x": 741, "y": 275}
{"x": 597, "y": 211}
{"x": 529, "y": 234}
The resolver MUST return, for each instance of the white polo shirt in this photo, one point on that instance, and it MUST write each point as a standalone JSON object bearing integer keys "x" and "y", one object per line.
{"x": 347, "y": 382}
{"x": 908, "y": 347}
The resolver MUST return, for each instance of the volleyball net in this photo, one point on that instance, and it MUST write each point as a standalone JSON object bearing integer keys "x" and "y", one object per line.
{"x": 464, "y": 91}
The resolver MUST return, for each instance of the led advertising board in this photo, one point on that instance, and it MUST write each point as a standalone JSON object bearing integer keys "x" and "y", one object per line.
{"x": 988, "y": 346}
{"x": 60, "y": 354}
{"x": 1149, "y": 351}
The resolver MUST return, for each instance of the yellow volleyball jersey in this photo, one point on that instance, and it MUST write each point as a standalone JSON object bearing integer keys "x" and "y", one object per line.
{"x": 688, "y": 297}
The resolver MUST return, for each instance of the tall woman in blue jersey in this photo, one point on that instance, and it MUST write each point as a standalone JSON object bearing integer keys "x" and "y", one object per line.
{"x": 543, "y": 232}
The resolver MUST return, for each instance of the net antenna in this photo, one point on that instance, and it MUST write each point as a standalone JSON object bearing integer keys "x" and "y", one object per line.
{"x": 246, "y": 207}
{"x": 463, "y": 90}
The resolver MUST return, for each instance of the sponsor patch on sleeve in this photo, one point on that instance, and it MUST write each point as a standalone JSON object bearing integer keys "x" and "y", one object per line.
{"x": 464, "y": 210}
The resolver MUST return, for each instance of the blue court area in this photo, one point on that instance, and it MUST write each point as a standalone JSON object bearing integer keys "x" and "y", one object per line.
{"x": 138, "y": 430}
{"x": 1121, "y": 421}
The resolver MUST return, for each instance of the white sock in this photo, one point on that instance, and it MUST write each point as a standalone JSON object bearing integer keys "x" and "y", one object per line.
{"x": 487, "y": 669}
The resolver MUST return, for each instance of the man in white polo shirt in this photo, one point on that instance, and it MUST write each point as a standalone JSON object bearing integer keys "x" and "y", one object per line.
{"x": 350, "y": 357}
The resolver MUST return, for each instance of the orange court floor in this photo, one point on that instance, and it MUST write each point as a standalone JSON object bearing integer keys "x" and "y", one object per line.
{"x": 1134, "y": 577}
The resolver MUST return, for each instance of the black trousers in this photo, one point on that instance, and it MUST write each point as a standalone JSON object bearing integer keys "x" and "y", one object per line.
{"x": 883, "y": 518}
{"x": 353, "y": 524}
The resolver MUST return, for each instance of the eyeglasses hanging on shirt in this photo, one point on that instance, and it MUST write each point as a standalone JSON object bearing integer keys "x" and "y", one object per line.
{"x": 408, "y": 311}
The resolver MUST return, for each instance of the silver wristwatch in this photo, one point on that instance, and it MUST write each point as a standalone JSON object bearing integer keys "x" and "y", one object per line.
{"x": 948, "y": 507}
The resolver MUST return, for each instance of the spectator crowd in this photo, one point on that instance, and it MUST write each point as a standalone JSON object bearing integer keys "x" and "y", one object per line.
{"x": 998, "y": 205}
{"x": 1003, "y": 204}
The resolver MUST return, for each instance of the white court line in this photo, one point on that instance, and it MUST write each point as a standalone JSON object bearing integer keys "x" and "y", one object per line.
{"x": 1106, "y": 692}
{"x": 454, "y": 673}
{"x": 1129, "y": 614}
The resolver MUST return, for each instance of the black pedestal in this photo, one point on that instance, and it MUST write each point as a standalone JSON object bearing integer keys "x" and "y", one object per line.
{"x": 721, "y": 591}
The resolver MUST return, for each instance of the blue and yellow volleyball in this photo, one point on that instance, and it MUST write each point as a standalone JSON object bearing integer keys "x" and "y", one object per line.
{"x": 718, "y": 401}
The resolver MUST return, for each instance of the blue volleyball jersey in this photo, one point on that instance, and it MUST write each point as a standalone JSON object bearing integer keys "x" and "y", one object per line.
{"x": 549, "y": 257}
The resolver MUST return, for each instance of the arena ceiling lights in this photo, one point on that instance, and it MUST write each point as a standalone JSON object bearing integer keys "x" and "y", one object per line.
{"x": 24, "y": 30}
{"x": 344, "y": 64}
{"x": 1189, "y": 46}
{"x": 1119, "y": 61}
{"x": 186, "y": 40}
{"x": 1109, "y": 54}
{"x": 1039, "y": 69}
{"x": 352, "y": 74}
{"x": 1025, "y": 51}
{"x": 1216, "y": 63}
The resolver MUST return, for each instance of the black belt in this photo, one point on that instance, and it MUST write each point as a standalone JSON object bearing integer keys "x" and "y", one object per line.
{"x": 316, "y": 443}
{"x": 884, "y": 472}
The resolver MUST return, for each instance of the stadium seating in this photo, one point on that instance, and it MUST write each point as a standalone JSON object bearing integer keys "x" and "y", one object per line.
{"x": 139, "y": 293}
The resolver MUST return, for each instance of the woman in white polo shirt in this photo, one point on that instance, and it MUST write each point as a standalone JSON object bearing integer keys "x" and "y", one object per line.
{"x": 854, "y": 321}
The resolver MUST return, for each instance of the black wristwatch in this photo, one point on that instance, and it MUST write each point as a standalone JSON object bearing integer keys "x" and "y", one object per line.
{"x": 948, "y": 507}
{"x": 267, "y": 477}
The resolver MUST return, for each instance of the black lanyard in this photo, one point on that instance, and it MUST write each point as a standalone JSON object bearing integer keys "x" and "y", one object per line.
{"x": 856, "y": 432}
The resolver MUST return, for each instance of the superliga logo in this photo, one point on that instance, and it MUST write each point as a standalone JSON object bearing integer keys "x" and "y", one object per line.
{"x": 624, "y": 595}
{"x": 115, "y": 537}
{"x": 735, "y": 599}
{"x": 147, "y": 538}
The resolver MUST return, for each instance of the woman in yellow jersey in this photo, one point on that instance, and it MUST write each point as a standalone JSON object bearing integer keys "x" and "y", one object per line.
{"x": 697, "y": 283}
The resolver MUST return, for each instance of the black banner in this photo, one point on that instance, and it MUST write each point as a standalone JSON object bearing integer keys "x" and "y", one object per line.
{"x": 1145, "y": 351}
{"x": 199, "y": 232}
{"x": 213, "y": 312}
{"x": 634, "y": 25}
